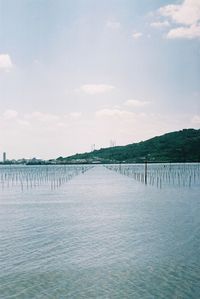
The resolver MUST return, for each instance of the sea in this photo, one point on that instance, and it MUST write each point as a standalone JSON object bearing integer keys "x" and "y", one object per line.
{"x": 97, "y": 233}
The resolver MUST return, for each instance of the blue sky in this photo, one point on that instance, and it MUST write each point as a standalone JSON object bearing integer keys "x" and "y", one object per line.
{"x": 83, "y": 72}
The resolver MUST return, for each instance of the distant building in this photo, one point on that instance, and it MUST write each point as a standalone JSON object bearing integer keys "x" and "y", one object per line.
{"x": 4, "y": 157}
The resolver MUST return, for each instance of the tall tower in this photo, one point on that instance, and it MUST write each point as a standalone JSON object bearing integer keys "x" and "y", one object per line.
{"x": 92, "y": 147}
{"x": 112, "y": 143}
{"x": 4, "y": 157}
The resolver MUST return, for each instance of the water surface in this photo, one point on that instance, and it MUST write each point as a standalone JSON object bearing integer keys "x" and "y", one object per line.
{"x": 100, "y": 235}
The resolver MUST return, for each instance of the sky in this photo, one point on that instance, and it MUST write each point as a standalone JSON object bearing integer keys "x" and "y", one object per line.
{"x": 79, "y": 73}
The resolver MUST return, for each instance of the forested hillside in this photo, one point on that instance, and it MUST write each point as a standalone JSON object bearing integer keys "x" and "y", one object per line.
{"x": 181, "y": 146}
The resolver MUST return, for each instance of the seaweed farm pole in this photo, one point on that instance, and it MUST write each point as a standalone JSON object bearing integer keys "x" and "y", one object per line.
{"x": 120, "y": 167}
{"x": 145, "y": 172}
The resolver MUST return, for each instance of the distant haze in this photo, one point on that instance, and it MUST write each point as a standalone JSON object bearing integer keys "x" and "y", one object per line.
{"x": 78, "y": 75}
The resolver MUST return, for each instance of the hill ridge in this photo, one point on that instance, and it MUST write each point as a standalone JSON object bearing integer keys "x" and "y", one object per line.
{"x": 178, "y": 146}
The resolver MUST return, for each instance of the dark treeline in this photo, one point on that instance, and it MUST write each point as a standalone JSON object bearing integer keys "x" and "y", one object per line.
{"x": 181, "y": 146}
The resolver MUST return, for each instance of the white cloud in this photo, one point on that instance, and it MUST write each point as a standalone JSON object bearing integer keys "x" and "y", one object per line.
{"x": 5, "y": 62}
{"x": 160, "y": 24}
{"x": 136, "y": 103}
{"x": 186, "y": 15}
{"x": 93, "y": 89}
{"x": 137, "y": 35}
{"x": 114, "y": 113}
{"x": 75, "y": 115}
{"x": 10, "y": 114}
{"x": 61, "y": 125}
{"x": 43, "y": 117}
{"x": 23, "y": 122}
{"x": 185, "y": 32}
{"x": 113, "y": 25}
{"x": 196, "y": 120}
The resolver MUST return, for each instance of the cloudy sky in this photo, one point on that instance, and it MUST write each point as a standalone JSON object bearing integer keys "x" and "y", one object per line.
{"x": 79, "y": 72}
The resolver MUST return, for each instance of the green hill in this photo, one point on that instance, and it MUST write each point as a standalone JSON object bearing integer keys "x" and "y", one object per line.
{"x": 181, "y": 146}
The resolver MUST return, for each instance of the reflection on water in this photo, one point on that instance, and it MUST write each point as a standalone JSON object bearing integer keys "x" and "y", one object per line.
{"x": 100, "y": 235}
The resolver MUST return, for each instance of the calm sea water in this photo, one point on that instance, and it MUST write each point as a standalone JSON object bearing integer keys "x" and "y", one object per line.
{"x": 100, "y": 235}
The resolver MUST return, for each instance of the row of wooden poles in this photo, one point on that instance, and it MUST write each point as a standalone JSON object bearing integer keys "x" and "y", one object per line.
{"x": 34, "y": 176}
{"x": 180, "y": 175}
